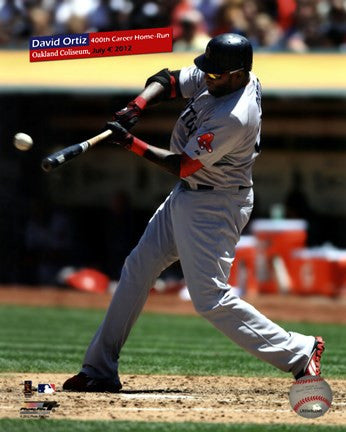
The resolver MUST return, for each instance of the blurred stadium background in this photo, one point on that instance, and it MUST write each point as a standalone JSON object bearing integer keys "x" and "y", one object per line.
{"x": 89, "y": 214}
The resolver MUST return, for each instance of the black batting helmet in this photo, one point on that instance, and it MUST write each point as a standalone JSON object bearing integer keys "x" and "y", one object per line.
{"x": 226, "y": 52}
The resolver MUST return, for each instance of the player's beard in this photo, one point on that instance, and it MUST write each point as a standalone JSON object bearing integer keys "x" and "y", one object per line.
{"x": 218, "y": 91}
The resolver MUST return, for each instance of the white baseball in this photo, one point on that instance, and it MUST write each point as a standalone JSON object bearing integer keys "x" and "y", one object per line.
{"x": 310, "y": 396}
{"x": 22, "y": 141}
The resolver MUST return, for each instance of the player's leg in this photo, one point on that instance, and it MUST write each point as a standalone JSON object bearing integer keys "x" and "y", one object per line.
{"x": 207, "y": 226}
{"x": 155, "y": 251}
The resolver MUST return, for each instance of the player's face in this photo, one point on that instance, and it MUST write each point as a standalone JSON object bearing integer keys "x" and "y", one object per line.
{"x": 222, "y": 84}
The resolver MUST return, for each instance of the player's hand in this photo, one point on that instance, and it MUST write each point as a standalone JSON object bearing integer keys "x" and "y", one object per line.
{"x": 120, "y": 136}
{"x": 129, "y": 115}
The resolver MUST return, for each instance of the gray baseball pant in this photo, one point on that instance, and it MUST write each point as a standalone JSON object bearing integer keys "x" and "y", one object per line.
{"x": 201, "y": 228}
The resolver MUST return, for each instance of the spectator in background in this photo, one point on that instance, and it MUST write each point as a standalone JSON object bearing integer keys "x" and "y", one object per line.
{"x": 192, "y": 35}
{"x": 150, "y": 14}
{"x": 40, "y": 21}
{"x": 296, "y": 25}
{"x": 12, "y": 23}
{"x": 285, "y": 13}
{"x": 209, "y": 10}
{"x": 306, "y": 32}
{"x": 263, "y": 31}
{"x": 111, "y": 15}
{"x": 72, "y": 15}
{"x": 231, "y": 18}
{"x": 100, "y": 19}
{"x": 334, "y": 26}
{"x": 121, "y": 10}
{"x": 7, "y": 17}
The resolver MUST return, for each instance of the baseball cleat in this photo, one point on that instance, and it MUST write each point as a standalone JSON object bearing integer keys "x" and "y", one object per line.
{"x": 313, "y": 366}
{"x": 84, "y": 383}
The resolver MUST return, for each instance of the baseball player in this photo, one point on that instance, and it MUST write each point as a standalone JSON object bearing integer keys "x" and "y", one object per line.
{"x": 213, "y": 147}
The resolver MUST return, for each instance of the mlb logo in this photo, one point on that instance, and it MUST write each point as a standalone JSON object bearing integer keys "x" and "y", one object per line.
{"x": 46, "y": 388}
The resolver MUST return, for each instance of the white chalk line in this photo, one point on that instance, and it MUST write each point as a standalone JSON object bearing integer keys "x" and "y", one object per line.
{"x": 180, "y": 397}
{"x": 243, "y": 410}
{"x": 198, "y": 398}
{"x": 157, "y": 396}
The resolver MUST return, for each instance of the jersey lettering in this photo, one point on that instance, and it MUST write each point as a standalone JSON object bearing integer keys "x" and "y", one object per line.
{"x": 189, "y": 118}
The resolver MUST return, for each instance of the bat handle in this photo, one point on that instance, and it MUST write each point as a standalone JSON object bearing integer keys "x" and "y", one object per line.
{"x": 100, "y": 137}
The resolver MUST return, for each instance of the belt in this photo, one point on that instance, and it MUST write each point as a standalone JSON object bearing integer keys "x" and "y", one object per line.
{"x": 187, "y": 186}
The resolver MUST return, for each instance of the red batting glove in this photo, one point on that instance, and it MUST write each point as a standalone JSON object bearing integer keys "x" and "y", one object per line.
{"x": 123, "y": 138}
{"x": 120, "y": 135}
{"x": 129, "y": 115}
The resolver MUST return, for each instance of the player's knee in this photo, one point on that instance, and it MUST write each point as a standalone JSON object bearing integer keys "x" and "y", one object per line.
{"x": 203, "y": 310}
{"x": 204, "y": 304}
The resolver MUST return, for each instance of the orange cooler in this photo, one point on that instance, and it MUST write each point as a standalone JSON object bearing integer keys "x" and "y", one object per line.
{"x": 341, "y": 272}
{"x": 243, "y": 270}
{"x": 319, "y": 271}
{"x": 276, "y": 240}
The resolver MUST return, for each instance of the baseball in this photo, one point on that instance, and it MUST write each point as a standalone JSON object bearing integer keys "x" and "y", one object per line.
{"x": 310, "y": 396}
{"x": 22, "y": 141}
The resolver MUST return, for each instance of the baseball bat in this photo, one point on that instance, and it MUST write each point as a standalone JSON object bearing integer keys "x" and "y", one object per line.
{"x": 62, "y": 156}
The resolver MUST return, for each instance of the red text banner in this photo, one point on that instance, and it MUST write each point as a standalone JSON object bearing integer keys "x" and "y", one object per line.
{"x": 100, "y": 44}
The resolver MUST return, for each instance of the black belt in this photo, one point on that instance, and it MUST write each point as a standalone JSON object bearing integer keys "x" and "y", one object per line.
{"x": 186, "y": 186}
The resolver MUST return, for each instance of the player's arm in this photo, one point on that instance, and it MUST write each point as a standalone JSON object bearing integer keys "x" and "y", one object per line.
{"x": 169, "y": 80}
{"x": 181, "y": 165}
{"x": 161, "y": 86}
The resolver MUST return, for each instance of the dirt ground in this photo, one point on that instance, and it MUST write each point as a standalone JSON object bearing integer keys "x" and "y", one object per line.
{"x": 175, "y": 398}
{"x": 178, "y": 398}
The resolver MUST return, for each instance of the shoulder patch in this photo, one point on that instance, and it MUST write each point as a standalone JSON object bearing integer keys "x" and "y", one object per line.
{"x": 205, "y": 140}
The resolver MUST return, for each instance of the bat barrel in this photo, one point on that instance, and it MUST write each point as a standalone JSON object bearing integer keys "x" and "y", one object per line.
{"x": 48, "y": 164}
{"x": 59, "y": 158}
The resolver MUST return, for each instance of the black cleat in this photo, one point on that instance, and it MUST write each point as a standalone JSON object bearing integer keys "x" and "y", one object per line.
{"x": 83, "y": 383}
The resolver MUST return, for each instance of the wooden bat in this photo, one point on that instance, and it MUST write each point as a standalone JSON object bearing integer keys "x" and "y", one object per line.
{"x": 62, "y": 156}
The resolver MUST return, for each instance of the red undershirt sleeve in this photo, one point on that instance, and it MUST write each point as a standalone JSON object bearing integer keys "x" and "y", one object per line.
{"x": 189, "y": 166}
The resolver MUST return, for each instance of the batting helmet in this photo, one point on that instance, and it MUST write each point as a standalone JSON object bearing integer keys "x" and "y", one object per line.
{"x": 226, "y": 52}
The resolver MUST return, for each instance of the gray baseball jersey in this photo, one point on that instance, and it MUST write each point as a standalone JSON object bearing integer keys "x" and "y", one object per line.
{"x": 223, "y": 133}
{"x": 201, "y": 228}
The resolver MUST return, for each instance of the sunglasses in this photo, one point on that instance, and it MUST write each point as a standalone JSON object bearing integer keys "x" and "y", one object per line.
{"x": 218, "y": 76}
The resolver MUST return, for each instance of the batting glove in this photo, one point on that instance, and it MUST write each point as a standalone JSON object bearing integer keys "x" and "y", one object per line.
{"x": 120, "y": 135}
{"x": 129, "y": 115}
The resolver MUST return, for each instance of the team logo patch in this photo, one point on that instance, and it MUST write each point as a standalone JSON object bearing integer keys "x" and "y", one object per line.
{"x": 204, "y": 141}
